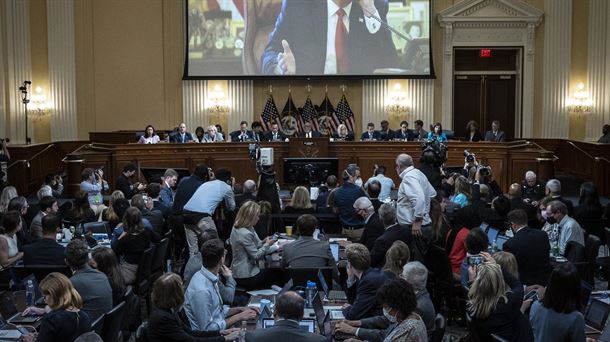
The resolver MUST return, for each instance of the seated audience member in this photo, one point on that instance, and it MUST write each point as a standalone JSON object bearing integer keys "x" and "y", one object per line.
{"x": 462, "y": 193}
{"x": 104, "y": 260}
{"x": 558, "y": 317}
{"x": 437, "y": 134}
{"x": 132, "y": 243}
{"x": 508, "y": 262}
{"x": 124, "y": 183}
{"x": 362, "y": 284}
{"x": 274, "y": 134}
{"x": 226, "y": 283}
{"x": 404, "y": 133}
{"x": 110, "y": 214}
{"x": 496, "y": 215}
{"x": 149, "y": 136}
{"x": 154, "y": 217}
{"x": 494, "y": 307}
{"x": 8, "y": 193}
{"x": 153, "y": 190}
{"x": 387, "y": 184}
{"x": 180, "y": 136}
{"x": 66, "y": 318}
{"x": 56, "y": 182}
{"x": 9, "y": 251}
{"x": 331, "y": 184}
{"x": 308, "y": 131}
{"x": 166, "y": 196}
{"x": 532, "y": 189}
{"x": 393, "y": 232}
{"x": 416, "y": 274}
{"x": 306, "y": 251}
{"x": 531, "y": 249}
{"x": 569, "y": 229}
{"x": 300, "y": 202}
{"x": 20, "y": 205}
{"x": 605, "y": 138}
{"x": 44, "y": 191}
{"x": 92, "y": 285}
{"x": 257, "y": 130}
{"x": 199, "y": 209}
{"x": 395, "y": 258}
{"x": 373, "y": 228}
{"x": 495, "y": 134}
{"x": 288, "y": 311}
{"x": 343, "y": 201}
{"x": 370, "y": 134}
{"x": 589, "y": 210}
{"x": 212, "y": 135}
{"x": 243, "y": 134}
{"x": 48, "y": 205}
{"x": 455, "y": 246}
{"x": 472, "y": 132}
{"x": 93, "y": 184}
{"x": 46, "y": 251}
{"x": 203, "y": 302}
{"x": 386, "y": 133}
{"x": 187, "y": 187}
{"x": 516, "y": 202}
{"x": 248, "y": 193}
{"x": 343, "y": 134}
{"x": 372, "y": 192}
{"x": 81, "y": 211}
{"x": 199, "y": 133}
{"x": 476, "y": 242}
{"x": 248, "y": 249}
{"x": 553, "y": 189}
{"x": 165, "y": 325}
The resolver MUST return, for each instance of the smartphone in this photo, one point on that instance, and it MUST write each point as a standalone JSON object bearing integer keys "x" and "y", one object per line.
{"x": 474, "y": 260}
{"x": 145, "y": 198}
{"x": 533, "y": 295}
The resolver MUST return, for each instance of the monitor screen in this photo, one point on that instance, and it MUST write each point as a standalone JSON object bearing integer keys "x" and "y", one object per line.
{"x": 309, "y": 171}
{"x": 236, "y": 38}
{"x": 305, "y": 324}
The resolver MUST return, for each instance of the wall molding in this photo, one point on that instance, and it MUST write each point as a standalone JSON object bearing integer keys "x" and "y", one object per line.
{"x": 241, "y": 100}
{"x": 374, "y": 96}
{"x": 598, "y": 67}
{"x": 193, "y": 101}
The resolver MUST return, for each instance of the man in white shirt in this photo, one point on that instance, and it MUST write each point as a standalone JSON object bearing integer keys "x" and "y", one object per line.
{"x": 387, "y": 184}
{"x": 353, "y": 40}
{"x": 569, "y": 229}
{"x": 414, "y": 195}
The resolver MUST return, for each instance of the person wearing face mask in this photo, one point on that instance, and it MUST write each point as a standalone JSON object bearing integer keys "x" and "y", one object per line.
{"x": 567, "y": 227}
{"x": 605, "y": 138}
{"x": 343, "y": 200}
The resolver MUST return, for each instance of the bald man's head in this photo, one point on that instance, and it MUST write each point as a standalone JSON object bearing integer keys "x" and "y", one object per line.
{"x": 514, "y": 191}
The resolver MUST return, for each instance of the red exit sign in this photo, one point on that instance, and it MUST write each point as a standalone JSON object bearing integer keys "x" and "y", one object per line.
{"x": 485, "y": 53}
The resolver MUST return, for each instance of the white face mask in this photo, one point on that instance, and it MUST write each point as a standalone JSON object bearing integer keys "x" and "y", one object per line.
{"x": 543, "y": 213}
{"x": 358, "y": 182}
{"x": 387, "y": 315}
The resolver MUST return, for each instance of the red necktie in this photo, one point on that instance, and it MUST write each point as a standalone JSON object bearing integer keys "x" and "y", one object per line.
{"x": 341, "y": 43}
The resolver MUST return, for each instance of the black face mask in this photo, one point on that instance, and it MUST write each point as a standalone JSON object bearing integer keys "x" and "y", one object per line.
{"x": 605, "y": 131}
{"x": 551, "y": 220}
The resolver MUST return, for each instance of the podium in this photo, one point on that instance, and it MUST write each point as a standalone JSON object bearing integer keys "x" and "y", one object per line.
{"x": 308, "y": 147}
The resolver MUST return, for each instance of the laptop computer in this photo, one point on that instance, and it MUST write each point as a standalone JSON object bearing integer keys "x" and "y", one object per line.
{"x": 305, "y": 324}
{"x": 605, "y": 335}
{"x": 492, "y": 234}
{"x": 596, "y": 316}
{"x": 500, "y": 240}
{"x": 330, "y": 294}
{"x": 326, "y": 326}
{"x": 265, "y": 314}
{"x": 8, "y": 309}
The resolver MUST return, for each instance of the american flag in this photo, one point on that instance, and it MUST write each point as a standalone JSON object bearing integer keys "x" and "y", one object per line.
{"x": 270, "y": 114}
{"x": 309, "y": 114}
{"x": 343, "y": 115}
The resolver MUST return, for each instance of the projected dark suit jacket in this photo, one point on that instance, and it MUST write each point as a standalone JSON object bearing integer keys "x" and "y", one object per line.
{"x": 303, "y": 24}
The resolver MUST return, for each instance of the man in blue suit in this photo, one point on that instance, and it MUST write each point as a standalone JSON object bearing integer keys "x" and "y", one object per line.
{"x": 315, "y": 37}
{"x": 181, "y": 136}
{"x": 243, "y": 134}
{"x": 371, "y": 134}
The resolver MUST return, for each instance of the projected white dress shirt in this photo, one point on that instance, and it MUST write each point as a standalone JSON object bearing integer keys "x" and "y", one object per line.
{"x": 330, "y": 66}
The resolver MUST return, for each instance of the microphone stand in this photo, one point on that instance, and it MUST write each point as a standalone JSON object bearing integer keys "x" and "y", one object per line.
{"x": 25, "y": 100}
{"x": 406, "y": 36}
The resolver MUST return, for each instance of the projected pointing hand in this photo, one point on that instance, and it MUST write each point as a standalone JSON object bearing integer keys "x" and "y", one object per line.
{"x": 285, "y": 60}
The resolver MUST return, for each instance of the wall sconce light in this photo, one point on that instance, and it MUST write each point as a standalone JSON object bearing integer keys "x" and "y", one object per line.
{"x": 40, "y": 108}
{"x": 398, "y": 104}
{"x": 580, "y": 103}
{"x": 218, "y": 105}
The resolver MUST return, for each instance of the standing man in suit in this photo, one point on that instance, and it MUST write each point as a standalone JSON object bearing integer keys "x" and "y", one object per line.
{"x": 531, "y": 249}
{"x": 404, "y": 133}
{"x": 393, "y": 232}
{"x": 371, "y": 134}
{"x": 181, "y": 136}
{"x": 48, "y": 205}
{"x": 495, "y": 135}
{"x": 275, "y": 134}
{"x": 288, "y": 311}
{"x": 243, "y": 134}
{"x": 308, "y": 131}
{"x": 386, "y": 133}
{"x": 170, "y": 177}
{"x": 350, "y": 39}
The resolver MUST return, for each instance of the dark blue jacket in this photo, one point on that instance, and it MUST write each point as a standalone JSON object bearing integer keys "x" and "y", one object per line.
{"x": 344, "y": 198}
{"x": 185, "y": 190}
{"x": 362, "y": 295}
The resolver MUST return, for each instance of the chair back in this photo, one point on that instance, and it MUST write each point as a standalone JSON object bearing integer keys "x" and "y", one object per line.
{"x": 133, "y": 315}
{"x": 111, "y": 328}
{"x": 574, "y": 252}
{"x": 474, "y": 333}
{"x": 440, "y": 323}
{"x": 300, "y": 276}
{"x": 141, "y": 284}
{"x": 41, "y": 271}
{"x": 158, "y": 260}
{"x": 98, "y": 324}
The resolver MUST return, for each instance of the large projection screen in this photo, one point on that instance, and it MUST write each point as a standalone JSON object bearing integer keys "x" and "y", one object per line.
{"x": 308, "y": 38}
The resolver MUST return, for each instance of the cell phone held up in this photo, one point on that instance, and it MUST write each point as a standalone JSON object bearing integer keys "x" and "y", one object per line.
{"x": 474, "y": 260}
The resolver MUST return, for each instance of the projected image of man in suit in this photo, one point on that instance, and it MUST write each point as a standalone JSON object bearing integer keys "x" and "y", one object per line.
{"x": 329, "y": 37}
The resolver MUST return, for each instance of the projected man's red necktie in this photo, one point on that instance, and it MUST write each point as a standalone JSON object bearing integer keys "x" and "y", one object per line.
{"x": 341, "y": 43}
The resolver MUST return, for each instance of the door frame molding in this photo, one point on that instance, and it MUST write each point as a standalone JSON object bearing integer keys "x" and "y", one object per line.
{"x": 492, "y": 23}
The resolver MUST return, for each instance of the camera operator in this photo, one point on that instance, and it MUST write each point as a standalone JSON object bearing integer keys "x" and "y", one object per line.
{"x": 470, "y": 161}
{"x": 429, "y": 168}
{"x": 56, "y": 183}
{"x": 93, "y": 184}
{"x": 123, "y": 181}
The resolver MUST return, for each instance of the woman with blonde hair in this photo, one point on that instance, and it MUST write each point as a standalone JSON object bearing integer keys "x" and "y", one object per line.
{"x": 343, "y": 134}
{"x": 7, "y": 195}
{"x": 494, "y": 302}
{"x": 248, "y": 249}
{"x": 508, "y": 262}
{"x": 300, "y": 202}
{"x": 396, "y": 257}
{"x": 63, "y": 320}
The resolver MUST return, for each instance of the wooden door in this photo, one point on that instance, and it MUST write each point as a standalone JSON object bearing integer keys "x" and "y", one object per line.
{"x": 499, "y": 103}
{"x": 467, "y": 102}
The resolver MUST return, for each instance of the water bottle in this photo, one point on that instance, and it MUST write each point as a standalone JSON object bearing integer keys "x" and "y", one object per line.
{"x": 310, "y": 292}
{"x": 29, "y": 293}
{"x": 242, "y": 332}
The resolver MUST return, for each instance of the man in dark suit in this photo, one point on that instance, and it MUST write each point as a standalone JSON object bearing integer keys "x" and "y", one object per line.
{"x": 181, "y": 136}
{"x": 188, "y": 185}
{"x": 257, "y": 130}
{"x": 275, "y": 134}
{"x": 247, "y": 194}
{"x": 371, "y": 134}
{"x": 531, "y": 249}
{"x": 363, "y": 282}
{"x": 373, "y": 228}
{"x": 123, "y": 181}
{"x": 404, "y": 133}
{"x": 300, "y": 45}
{"x": 553, "y": 189}
{"x": 243, "y": 134}
{"x": 45, "y": 251}
{"x": 288, "y": 311}
{"x": 393, "y": 232}
{"x": 516, "y": 202}
{"x": 48, "y": 205}
{"x": 495, "y": 135}
{"x": 532, "y": 190}
{"x": 306, "y": 251}
{"x": 308, "y": 131}
{"x": 155, "y": 217}
{"x": 386, "y": 133}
